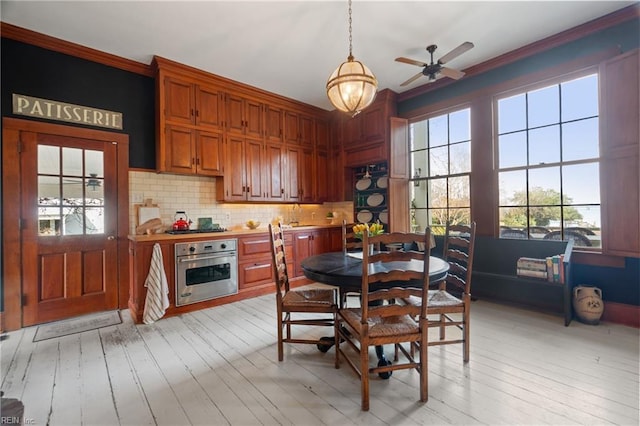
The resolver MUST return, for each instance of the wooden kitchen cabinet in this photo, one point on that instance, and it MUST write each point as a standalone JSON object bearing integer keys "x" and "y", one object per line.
{"x": 308, "y": 243}
{"x": 188, "y": 103}
{"x": 190, "y": 151}
{"x": 254, "y": 261}
{"x": 275, "y": 166}
{"x": 244, "y": 116}
{"x": 274, "y": 122}
{"x": 244, "y": 177}
{"x": 299, "y": 129}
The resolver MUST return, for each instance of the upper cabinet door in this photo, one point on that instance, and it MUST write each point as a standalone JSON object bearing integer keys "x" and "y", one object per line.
{"x": 291, "y": 127}
{"x": 179, "y": 101}
{"x": 209, "y": 107}
{"x": 245, "y": 116}
{"x": 274, "y": 123}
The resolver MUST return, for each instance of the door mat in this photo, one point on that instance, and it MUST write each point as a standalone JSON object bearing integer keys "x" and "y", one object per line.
{"x": 77, "y": 325}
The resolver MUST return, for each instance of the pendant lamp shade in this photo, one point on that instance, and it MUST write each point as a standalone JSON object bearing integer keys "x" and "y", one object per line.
{"x": 352, "y": 86}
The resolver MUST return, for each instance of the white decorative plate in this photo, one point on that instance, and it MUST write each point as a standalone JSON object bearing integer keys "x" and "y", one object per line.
{"x": 384, "y": 216}
{"x": 382, "y": 182}
{"x": 375, "y": 200}
{"x": 364, "y": 216}
{"x": 363, "y": 184}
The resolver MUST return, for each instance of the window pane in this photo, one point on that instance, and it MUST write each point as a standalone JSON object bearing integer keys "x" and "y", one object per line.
{"x": 48, "y": 190}
{"x": 544, "y": 145}
{"x": 419, "y": 197}
{"x": 459, "y": 126}
{"x": 513, "y": 217}
{"x": 459, "y": 192}
{"x": 580, "y": 140}
{"x": 512, "y": 114}
{"x": 460, "y": 161}
{"x": 94, "y": 163}
{"x": 547, "y": 216}
{"x": 419, "y": 135}
{"x": 48, "y": 160}
{"x": 513, "y": 150}
{"x": 438, "y": 217}
{"x": 95, "y": 220}
{"x": 72, "y": 161}
{"x": 419, "y": 219}
{"x": 512, "y": 187}
{"x": 544, "y": 186}
{"x": 439, "y": 161}
{"x": 49, "y": 219}
{"x": 419, "y": 161}
{"x": 581, "y": 184}
{"x": 544, "y": 106}
{"x": 459, "y": 216}
{"x": 580, "y": 98}
{"x": 437, "y": 193}
{"x": 438, "y": 131}
{"x": 73, "y": 221}
{"x": 585, "y": 219}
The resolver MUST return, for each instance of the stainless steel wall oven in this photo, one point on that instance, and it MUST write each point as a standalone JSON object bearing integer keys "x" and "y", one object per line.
{"x": 206, "y": 270}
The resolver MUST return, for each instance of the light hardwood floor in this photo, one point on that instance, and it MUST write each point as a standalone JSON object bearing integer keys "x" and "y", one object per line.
{"x": 219, "y": 366}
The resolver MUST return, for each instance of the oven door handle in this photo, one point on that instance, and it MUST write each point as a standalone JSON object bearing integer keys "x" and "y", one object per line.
{"x": 207, "y": 257}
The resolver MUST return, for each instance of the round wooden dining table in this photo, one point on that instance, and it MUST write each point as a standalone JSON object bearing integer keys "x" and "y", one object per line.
{"x": 345, "y": 272}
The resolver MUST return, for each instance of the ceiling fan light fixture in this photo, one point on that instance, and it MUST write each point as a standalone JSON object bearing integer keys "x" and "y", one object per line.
{"x": 352, "y": 87}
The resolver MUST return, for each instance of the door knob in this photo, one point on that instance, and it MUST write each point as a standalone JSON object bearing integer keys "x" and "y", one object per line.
{"x": 111, "y": 237}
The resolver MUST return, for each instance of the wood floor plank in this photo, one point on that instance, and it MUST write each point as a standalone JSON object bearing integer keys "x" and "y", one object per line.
{"x": 68, "y": 384}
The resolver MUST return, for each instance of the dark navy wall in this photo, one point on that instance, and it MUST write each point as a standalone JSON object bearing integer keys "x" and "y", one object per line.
{"x": 33, "y": 71}
{"x": 620, "y": 285}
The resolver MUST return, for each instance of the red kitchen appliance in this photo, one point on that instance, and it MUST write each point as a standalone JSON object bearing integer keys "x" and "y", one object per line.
{"x": 181, "y": 221}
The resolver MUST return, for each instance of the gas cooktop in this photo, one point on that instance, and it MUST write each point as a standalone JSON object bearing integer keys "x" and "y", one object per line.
{"x": 195, "y": 231}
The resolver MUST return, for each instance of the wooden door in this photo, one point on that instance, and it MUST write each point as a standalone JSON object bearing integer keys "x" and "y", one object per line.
{"x": 69, "y": 233}
{"x": 179, "y": 101}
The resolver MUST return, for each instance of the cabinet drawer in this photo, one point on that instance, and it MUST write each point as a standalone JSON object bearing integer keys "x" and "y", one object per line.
{"x": 255, "y": 273}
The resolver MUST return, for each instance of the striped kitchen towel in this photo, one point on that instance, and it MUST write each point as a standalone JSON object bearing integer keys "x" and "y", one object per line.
{"x": 157, "y": 300}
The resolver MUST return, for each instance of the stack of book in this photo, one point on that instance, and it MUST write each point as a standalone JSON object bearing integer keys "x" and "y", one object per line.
{"x": 551, "y": 268}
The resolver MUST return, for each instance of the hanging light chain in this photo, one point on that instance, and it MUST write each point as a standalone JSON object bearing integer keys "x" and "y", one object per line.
{"x": 350, "y": 37}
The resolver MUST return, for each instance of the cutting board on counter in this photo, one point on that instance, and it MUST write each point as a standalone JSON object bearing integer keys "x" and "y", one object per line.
{"x": 145, "y": 212}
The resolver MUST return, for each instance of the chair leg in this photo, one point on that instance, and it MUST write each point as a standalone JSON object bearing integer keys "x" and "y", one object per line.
{"x": 443, "y": 318}
{"x": 364, "y": 375}
{"x": 424, "y": 368}
{"x": 336, "y": 344}
{"x": 465, "y": 336}
{"x": 280, "y": 345}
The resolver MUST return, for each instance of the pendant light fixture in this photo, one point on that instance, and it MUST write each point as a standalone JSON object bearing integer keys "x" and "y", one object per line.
{"x": 352, "y": 86}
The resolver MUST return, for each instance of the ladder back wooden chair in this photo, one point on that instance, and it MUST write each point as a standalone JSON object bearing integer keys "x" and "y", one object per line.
{"x": 299, "y": 302}
{"x": 453, "y": 295}
{"x": 387, "y": 277}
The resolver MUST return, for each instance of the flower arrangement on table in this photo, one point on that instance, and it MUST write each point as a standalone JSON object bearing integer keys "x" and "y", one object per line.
{"x": 372, "y": 230}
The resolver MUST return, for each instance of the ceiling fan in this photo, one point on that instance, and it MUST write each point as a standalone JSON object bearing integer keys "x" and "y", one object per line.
{"x": 92, "y": 182}
{"x": 435, "y": 69}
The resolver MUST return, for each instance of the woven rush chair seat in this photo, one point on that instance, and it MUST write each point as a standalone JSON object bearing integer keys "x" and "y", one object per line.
{"x": 324, "y": 298}
{"x": 379, "y": 327}
{"x": 294, "y": 306}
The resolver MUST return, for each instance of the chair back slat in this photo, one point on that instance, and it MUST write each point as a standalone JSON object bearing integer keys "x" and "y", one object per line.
{"x": 395, "y": 267}
{"x": 458, "y": 252}
{"x": 279, "y": 258}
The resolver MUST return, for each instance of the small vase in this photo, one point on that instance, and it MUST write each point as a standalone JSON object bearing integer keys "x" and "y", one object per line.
{"x": 587, "y": 302}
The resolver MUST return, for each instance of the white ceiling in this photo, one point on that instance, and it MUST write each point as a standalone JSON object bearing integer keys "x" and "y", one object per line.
{"x": 291, "y": 47}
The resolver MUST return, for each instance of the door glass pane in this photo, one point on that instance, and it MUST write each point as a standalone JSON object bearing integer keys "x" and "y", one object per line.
{"x": 73, "y": 220}
{"x": 48, "y": 160}
{"x": 94, "y": 163}
{"x": 72, "y": 161}
{"x": 49, "y": 220}
{"x": 72, "y": 190}
{"x": 95, "y": 220}
{"x": 48, "y": 190}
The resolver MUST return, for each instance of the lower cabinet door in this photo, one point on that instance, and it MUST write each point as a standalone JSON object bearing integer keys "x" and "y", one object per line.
{"x": 255, "y": 273}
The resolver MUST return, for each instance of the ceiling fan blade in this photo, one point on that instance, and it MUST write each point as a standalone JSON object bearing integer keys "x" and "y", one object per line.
{"x": 451, "y": 73}
{"x": 456, "y": 52}
{"x": 411, "y": 62}
{"x": 412, "y": 79}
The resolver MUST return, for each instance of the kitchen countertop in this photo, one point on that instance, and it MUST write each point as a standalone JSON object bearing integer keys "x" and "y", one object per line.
{"x": 218, "y": 235}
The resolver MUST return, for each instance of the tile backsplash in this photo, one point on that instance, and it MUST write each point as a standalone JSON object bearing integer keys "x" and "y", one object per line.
{"x": 196, "y": 195}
